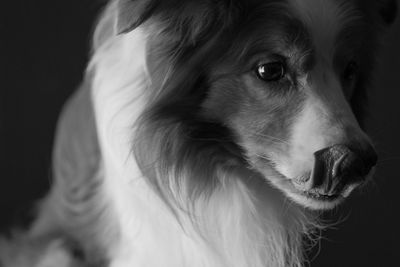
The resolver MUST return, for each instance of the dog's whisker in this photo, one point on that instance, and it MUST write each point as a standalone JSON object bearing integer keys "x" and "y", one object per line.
{"x": 269, "y": 137}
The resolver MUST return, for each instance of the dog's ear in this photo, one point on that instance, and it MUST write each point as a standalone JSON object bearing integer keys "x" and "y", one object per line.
{"x": 388, "y": 10}
{"x": 132, "y": 13}
{"x": 184, "y": 18}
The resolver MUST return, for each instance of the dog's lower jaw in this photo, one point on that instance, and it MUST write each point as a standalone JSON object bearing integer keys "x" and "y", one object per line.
{"x": 316, "y": 202}
{"x": 299, "y": 191}
{"x": 295, "y": 190}
{"x": 318, "y": 199}
{"x": 311, "y": 199}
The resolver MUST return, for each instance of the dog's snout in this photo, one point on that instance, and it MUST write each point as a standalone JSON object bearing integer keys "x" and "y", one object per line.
{"x": 338, "y": 165}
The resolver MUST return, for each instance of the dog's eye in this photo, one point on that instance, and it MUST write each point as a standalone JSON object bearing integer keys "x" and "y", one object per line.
{"x": 269, "y": 72}
{"x": 350, "y": 72}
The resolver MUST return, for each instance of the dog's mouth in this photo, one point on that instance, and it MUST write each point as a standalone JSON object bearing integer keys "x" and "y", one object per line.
{"x": 322, "y": 197}
{"x": 336, "y": 194}
{"x": 336, "y": 173}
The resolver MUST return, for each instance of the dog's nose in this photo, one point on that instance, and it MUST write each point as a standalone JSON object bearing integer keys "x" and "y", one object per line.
{"x": 338, "y": 165}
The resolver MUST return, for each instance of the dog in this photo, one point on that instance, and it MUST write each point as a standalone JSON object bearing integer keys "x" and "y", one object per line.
{"x": 212, "y": 133}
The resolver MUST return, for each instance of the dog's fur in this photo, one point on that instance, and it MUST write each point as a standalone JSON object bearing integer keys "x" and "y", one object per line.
{"x": 172, "y": 153}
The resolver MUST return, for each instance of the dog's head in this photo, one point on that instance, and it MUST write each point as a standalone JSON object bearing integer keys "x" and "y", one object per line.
{"x": 282, "y": 80}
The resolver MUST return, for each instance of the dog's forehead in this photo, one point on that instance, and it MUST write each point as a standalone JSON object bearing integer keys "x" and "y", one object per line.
{"x": 324, "y": 20}
{"x": 304, "y": 31}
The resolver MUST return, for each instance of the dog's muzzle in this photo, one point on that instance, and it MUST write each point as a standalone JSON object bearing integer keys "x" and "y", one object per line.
{"x": 338, "y": 167}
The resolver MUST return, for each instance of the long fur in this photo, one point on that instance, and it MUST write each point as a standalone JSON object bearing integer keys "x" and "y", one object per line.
{"x": 138, "y": 183}
{"x": 231, "y": 203}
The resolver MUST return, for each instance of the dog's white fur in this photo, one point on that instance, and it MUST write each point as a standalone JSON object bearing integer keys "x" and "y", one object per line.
{"x": 101, "y": 200}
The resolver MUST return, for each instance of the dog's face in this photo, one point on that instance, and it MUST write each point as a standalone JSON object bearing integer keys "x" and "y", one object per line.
{"x": 286, "y": 83}
{"x": 288, "y": 101}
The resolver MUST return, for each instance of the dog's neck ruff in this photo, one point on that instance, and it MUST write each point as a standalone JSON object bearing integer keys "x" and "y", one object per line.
{"x": 242, "y": 223}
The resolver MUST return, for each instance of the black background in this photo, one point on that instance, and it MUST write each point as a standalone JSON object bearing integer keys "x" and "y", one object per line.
{"x": 43, "y": 51}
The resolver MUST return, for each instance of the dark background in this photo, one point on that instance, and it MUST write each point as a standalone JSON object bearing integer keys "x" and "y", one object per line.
{"x": 43, "y": 51}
